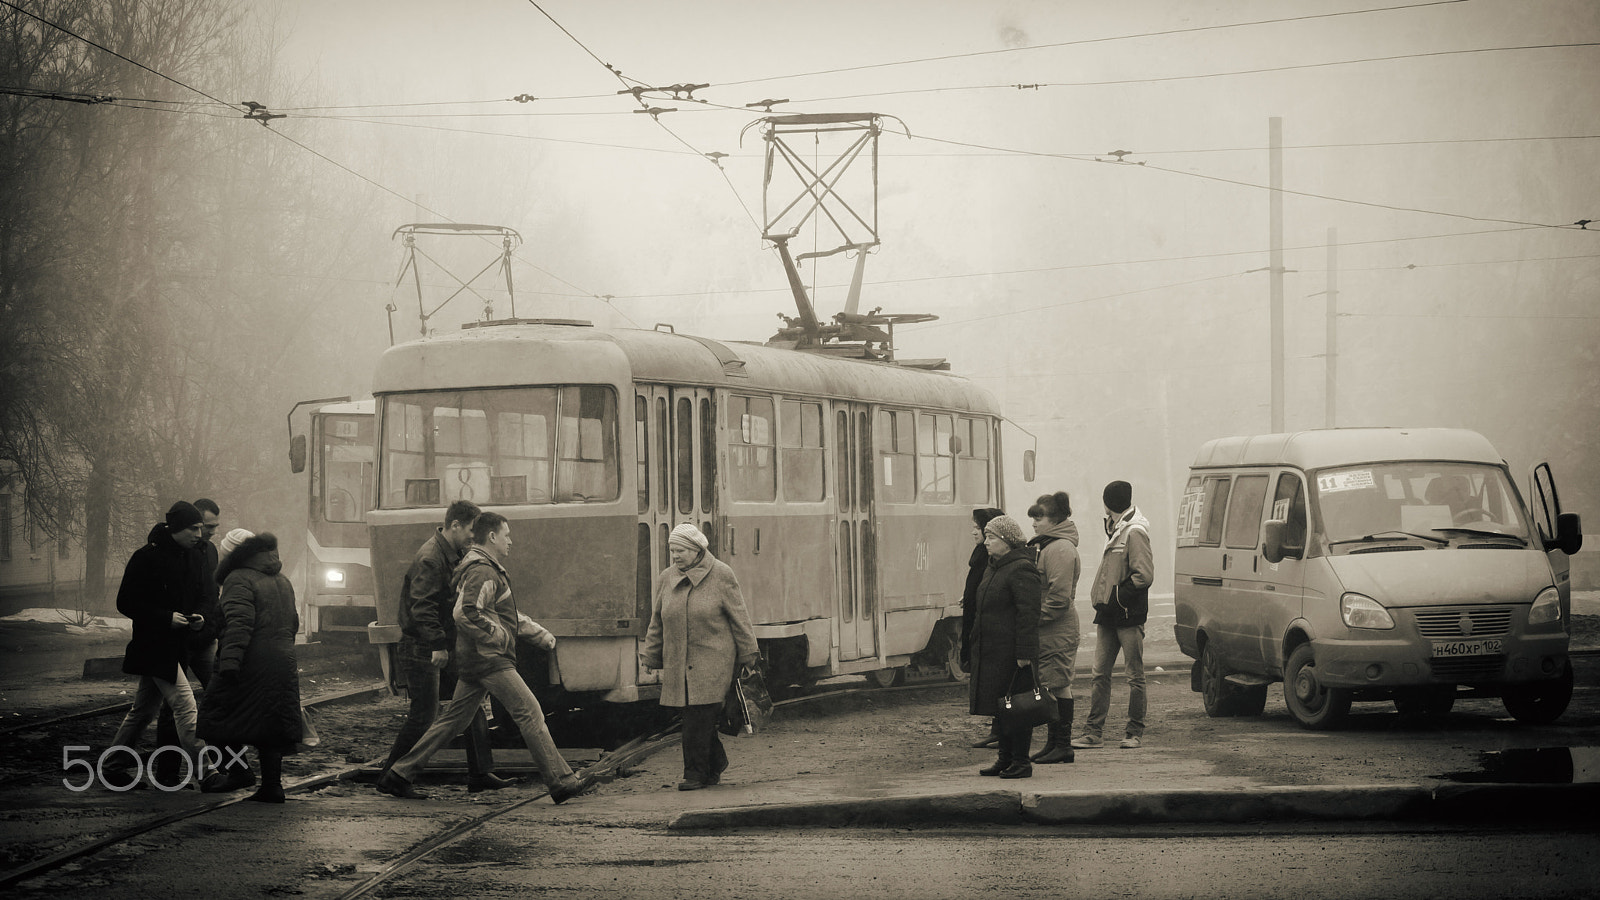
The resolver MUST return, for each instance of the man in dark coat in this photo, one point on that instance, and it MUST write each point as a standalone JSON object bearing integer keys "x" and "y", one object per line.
{"x": 428, "y": 635}
{"x": 1005, "y": 639}
{"x": 160, "y": 592}
{"x": 202, "y": 644}
{"x": 1121, "y": 600}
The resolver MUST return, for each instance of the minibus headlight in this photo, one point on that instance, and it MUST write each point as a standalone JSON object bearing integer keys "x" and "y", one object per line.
{"x": 333, "y": 578}
{"x": 1546, "y": 607}
{"x": 1361, "y": 611}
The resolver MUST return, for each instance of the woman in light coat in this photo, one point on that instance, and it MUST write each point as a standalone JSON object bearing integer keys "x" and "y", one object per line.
{"x": 1055, "y": 540}
{"x": 699, "y": 633}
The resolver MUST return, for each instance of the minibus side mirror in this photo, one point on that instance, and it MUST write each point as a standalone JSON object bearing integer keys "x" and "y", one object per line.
{"x": 1027, "y": 465}
{"x": 1569, "y": 533}
{"x": 1275, "y": 546}
{"x": 297, "y": 454}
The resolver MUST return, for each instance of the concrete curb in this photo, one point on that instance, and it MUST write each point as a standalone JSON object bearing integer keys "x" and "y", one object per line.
{"x": 1444, "y": 803}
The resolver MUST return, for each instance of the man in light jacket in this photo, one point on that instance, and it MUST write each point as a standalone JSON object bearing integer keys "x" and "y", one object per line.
{"x": 487, "y": 628}
{"x": 1121, "y": 599}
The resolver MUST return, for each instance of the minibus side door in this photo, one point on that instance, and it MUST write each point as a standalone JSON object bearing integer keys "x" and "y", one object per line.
{"x": 1283, "y": 585}
{"x": 1246, "y": 592}
{"x": 1546, "y": 510}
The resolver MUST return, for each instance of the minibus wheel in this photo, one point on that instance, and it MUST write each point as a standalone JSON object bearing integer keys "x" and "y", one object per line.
{"x": 1542, "y": 702}
{"x": 1216, "y": 693}
{"x": 1312, "y": 705}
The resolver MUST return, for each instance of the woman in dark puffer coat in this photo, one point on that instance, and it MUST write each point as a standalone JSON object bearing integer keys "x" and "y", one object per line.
{"x": 254, "y": 696}
{"x": 1005, "y": 639}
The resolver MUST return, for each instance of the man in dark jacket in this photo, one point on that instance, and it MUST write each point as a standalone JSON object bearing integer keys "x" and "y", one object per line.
{"x": 160, "y": 592}
{"x": 428, "y": 635}
{"x": 1121, "y": 599}
{"x": 201, "y": 644}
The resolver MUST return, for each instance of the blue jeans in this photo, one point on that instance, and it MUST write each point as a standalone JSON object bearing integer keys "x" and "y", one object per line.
{"x": 1108, "y": 641}
{"x": 425, "y": 685}
{"x": 508, "y": 687}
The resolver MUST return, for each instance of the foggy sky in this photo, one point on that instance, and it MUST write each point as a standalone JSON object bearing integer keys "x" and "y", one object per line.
{"x": 1110, "y": 307}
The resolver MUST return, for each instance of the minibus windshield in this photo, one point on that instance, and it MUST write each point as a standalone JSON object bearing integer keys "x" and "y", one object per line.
{"x": 499, "y": 446}
{"x": 1436, "y": 500}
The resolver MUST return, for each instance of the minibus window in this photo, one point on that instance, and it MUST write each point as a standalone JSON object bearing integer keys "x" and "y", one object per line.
{"x": 1289, "y": 505}
{"x": 1244, "y": 513}
{"x": 1440, "y": 501}
{"x": 1214, "y": 505}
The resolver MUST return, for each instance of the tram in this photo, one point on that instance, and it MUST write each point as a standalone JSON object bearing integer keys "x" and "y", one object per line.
{"x": 839, "y": 491}
{"x": 337, "y": 593}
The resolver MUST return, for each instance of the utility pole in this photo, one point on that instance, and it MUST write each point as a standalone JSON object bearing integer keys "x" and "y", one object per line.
{"x": 1331, "y": 356}
{"x": 1275, "y": 264}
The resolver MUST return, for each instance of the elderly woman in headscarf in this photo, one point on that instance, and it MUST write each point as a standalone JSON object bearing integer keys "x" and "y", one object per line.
{"x": 977, "y": 565}
{"x": 1005, "y": 638}
{"x": 699, "y": 633}
{"x": 254, "y": 695}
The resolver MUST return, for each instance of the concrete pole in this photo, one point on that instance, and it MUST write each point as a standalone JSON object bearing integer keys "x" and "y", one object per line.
{"x": 1331, "y": 357}
{"x": 1275, "y": 265}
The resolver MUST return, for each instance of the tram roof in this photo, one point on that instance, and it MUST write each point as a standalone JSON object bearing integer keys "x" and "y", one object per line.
{"x": 499, "y": 355}
{"x": 1323, "y": 447}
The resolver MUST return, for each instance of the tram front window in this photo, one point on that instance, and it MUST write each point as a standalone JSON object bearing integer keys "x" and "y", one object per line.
{"x": 501, "y": 446}
{"x": 346, "y": 467}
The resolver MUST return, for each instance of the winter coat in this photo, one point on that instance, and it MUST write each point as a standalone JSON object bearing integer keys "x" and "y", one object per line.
{"x": 161, "y": 578}
{"x": 977, "y": 565}
{"x": 426, "y": 599}
{"x": 487, "y": 621}
{"x": 1057, "y": 547}
{"x": 699, "y": 630}
{"x": 1121, "y": 592}
{"x": 1005, "y": 630}
{"x": 254, "y": 697}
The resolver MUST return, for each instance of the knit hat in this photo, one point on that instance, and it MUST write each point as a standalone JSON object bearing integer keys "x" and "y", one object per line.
{"x": 688, "y": 536}
{"x": 1118, "y": 496}
{"x": 983, "y": 515}
{"x": 232, "y": 540}
{"x": 183, "y": 515}
{"x": 1006, "y": 529}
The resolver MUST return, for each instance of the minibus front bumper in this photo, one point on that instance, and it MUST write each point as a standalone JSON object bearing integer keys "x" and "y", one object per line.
{"x": 1396, "y": 662}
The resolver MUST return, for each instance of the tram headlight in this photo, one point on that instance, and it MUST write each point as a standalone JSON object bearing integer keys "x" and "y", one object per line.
{"x": 1361, "y": 611}
{"x": 333, "y": 578}
{"x": 1546, "y": 607}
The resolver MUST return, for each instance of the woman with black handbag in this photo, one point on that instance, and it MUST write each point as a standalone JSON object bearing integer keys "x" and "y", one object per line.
{"x": 1005, "y": 640}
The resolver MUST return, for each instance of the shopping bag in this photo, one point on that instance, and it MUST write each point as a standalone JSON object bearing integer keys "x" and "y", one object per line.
{"x": 1028, "y": 708}
{"x": 747, "y": 706}
{"x": 308, "y": 729}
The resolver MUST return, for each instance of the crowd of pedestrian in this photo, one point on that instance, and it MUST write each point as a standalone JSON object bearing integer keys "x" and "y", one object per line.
{"x": 224, "y": 618}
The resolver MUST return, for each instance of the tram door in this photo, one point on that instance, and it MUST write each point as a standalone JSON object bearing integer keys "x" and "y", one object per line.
{"x": 675, "y": 443}
{"x": 856, "y": 612}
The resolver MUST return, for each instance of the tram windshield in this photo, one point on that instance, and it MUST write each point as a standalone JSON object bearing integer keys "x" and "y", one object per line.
{"x": 499, "y": 446}
{"x": 1441, "y": 501}
{"x": 344, "y": 467}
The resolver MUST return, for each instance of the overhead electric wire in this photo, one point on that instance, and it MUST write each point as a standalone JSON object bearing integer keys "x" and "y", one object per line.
{"x": 102, "y": 47}
{"x": 1085, "y": 41}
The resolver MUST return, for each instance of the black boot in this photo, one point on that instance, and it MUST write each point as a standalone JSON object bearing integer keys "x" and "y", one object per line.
{"x": 1020, "y": 767}
{"x": 1003, "y": 761}
{"x": 1052, "y": 739}
{"x": 1062, "y": 751}
{"x": 271, "y": 790}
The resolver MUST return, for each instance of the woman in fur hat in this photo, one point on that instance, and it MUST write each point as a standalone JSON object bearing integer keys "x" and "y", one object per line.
{"x": 1005, "y": 638}
{"x": 254, "y": 696}
{"x": 699, "y": 632}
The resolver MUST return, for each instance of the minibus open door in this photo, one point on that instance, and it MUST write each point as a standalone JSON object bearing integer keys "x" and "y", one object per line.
{"x": 1560, "y": 534}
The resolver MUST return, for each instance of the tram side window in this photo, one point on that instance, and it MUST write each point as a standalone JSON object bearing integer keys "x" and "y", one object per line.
{"x": 973, "y": 472}
{"x": 752, "y": 474}
{"x": 588, "y": 443}
{"x": 641, "y": 457}
{"x": 800, "y": 434}
{"x": 895, "y": 437}
{"x": 937, "y": 464}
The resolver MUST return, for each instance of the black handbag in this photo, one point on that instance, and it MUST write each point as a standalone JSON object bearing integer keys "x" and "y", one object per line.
{"x": 1028, "y": 708}
{"x": 748, "y": 705}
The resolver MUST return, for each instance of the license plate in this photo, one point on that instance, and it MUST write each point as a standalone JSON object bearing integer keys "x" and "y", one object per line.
{"x": 1480, "y": 647}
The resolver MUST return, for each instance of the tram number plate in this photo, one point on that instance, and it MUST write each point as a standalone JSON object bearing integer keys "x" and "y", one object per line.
{"x": 1480, "y": 647}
